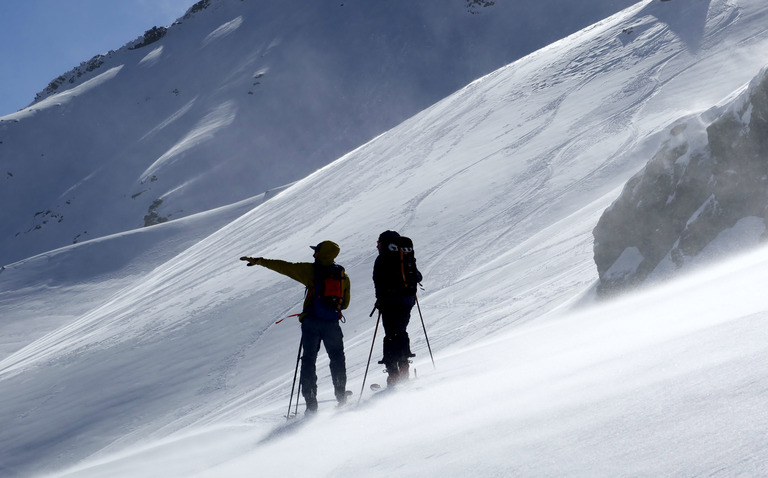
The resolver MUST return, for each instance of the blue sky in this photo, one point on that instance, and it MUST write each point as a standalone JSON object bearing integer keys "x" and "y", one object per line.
{"x": 41, "y": 39}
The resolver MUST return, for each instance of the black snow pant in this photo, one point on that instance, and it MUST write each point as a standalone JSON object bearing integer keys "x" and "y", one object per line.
{"x": 314, "y": 331}
{"x": 395, "y": 315}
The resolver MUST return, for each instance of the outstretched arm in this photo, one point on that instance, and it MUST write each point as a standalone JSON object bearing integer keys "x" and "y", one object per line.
{"x": 303, "y": 272}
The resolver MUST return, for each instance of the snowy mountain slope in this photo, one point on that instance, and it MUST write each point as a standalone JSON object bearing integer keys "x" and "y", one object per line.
{"x": 667, "y": 383}
{"x": 184, "y": 371}
{"x": 106, "y": 264}
{"x": 239, "y": 98}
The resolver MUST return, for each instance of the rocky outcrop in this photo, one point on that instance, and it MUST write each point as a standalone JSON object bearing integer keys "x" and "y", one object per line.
{"x": 711, "y": 173}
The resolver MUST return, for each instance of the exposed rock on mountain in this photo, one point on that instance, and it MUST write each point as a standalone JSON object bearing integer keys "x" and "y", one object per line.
{"x": 708, "y": 178}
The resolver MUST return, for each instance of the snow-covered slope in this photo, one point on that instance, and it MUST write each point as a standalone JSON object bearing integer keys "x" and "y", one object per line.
{"x": 239, "y": 97}
{"x": 184, "y": 372}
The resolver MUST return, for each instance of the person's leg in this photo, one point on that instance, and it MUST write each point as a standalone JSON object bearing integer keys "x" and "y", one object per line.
{"x": 397, "y": 351}
{"x": 389, "y": 343}
{"x": 389, "y": 324}
{"x": 333, "y": 339}
{"x": 401, "y": 344}
{"x": 404, "y": 345}
{"x": 311, "y": 342}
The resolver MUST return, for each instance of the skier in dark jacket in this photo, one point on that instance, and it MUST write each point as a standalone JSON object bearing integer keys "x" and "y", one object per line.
{"x": 395, "y": 304}
{"x": 319, "y": 323}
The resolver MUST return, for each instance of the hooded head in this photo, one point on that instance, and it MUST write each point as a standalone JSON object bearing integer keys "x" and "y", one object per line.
{"x": 326, "y": 252}
{"x": 386, "y": 238}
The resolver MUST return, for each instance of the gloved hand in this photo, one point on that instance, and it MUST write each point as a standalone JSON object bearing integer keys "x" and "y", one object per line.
{"x": 252, "y": 261}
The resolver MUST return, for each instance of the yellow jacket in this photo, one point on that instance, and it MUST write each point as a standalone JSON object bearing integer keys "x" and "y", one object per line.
{"x": 304, "y": 272}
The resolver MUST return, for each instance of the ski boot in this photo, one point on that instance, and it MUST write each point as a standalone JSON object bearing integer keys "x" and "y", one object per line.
{"x": 311, "y": 400}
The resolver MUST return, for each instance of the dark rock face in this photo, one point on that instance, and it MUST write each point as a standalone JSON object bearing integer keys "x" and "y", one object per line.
{"x": 706, "y": 176}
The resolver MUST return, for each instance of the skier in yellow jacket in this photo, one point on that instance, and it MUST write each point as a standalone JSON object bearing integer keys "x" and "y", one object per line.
{"x": 327, "y": 295}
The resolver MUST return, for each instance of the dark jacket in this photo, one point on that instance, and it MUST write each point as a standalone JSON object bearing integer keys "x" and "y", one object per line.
{"x": 387, "y": 278}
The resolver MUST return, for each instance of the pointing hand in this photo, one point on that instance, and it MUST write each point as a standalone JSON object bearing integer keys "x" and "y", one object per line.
{"x": 252, "y": 261}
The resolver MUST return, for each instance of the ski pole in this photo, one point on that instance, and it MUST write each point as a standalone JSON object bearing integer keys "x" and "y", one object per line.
{"x": 298, "y": 394}
{"x": 370, "y": 354}
{"x": 425, "y": 333}
{"x": 295, "y": 372}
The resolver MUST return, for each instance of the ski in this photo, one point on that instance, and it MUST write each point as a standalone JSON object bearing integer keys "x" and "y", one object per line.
{"x": 380, "y": 390}
{"x": 375, "y": 387}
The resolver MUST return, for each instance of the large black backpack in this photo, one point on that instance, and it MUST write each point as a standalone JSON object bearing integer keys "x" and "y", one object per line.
{"x": 328, "y": 291}
{"x": 402, "y": 274}
{"x": 408, "y": 271}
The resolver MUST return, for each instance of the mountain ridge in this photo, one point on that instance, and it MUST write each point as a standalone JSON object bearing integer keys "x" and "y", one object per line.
{"x": 234, "y": 95}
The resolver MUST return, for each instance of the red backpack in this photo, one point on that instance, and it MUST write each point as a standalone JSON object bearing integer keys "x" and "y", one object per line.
{"x": 328, "y": 291}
